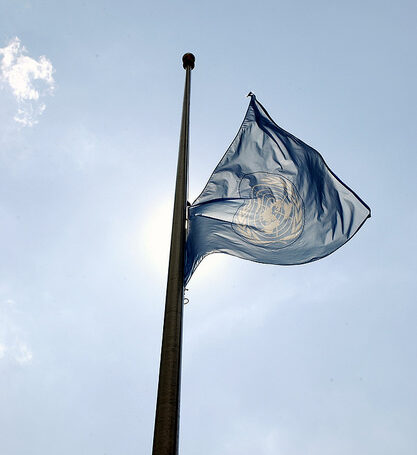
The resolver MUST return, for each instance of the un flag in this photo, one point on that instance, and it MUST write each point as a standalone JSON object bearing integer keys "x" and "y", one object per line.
{"x": 271, "y": 199}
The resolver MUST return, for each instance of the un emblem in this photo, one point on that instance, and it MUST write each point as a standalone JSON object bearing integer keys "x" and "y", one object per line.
{"x": 273, "y": 212}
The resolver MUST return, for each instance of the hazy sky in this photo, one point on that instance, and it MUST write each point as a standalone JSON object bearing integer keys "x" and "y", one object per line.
{"x": 318, "y": 359}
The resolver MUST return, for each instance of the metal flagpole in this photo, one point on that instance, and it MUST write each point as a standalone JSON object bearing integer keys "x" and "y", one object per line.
{"x": 167, "y": 416}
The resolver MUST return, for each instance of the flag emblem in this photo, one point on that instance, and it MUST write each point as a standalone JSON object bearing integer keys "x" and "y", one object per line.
{"x": 272, "y": 213}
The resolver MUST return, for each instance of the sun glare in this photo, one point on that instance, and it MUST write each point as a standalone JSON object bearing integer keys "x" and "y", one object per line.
{"x": 155, "y": 236}
{"x": 154, "y": 242}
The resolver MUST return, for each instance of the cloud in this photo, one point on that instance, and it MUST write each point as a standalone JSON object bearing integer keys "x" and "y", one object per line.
{"x": 13, "y": 346}
{"x": 23, "y": 354}
{"x": 29, "y": 80}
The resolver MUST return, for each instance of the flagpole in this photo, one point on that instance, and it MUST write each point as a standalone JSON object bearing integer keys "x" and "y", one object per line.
{"x": 167, "y": 416}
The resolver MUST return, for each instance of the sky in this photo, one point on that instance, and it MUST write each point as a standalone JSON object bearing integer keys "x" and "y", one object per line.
{"x": 315, "y": 359}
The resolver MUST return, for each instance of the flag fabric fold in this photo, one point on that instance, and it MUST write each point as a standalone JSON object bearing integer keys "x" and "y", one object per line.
{"x": 271, "y": 199}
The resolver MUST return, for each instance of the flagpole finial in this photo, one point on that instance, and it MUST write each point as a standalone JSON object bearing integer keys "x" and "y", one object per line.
{"x": 188, "y": 60}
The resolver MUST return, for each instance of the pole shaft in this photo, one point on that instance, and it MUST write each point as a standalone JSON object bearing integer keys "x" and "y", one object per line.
{"x": 167, "y": 416}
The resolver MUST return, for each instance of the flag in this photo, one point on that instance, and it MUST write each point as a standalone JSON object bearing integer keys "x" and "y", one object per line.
{"x": 271, "y": 199}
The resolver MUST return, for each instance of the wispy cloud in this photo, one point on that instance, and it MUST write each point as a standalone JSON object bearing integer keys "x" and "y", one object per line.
{"x": 13, "y": 346}
{"x": 29, "y": 80}
{"x": 22, "y": 354}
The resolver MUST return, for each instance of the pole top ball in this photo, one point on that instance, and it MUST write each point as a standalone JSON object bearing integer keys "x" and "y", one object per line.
{"x": 188, "y": 60}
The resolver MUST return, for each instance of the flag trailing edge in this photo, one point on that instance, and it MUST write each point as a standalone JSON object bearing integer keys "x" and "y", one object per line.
{"x": 271, "y": 199}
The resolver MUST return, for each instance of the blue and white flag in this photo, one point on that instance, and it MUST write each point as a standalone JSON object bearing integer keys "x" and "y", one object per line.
{"x": 271, "y": 199}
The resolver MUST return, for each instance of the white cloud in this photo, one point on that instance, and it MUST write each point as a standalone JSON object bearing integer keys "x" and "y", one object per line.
{"x": 23, "y": 354}
{"x": 29, "y": 80}
{"x": 13, "y": 346}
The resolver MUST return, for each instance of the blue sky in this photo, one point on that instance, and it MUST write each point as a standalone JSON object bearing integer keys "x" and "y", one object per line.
{"x": 312, "y": 359}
